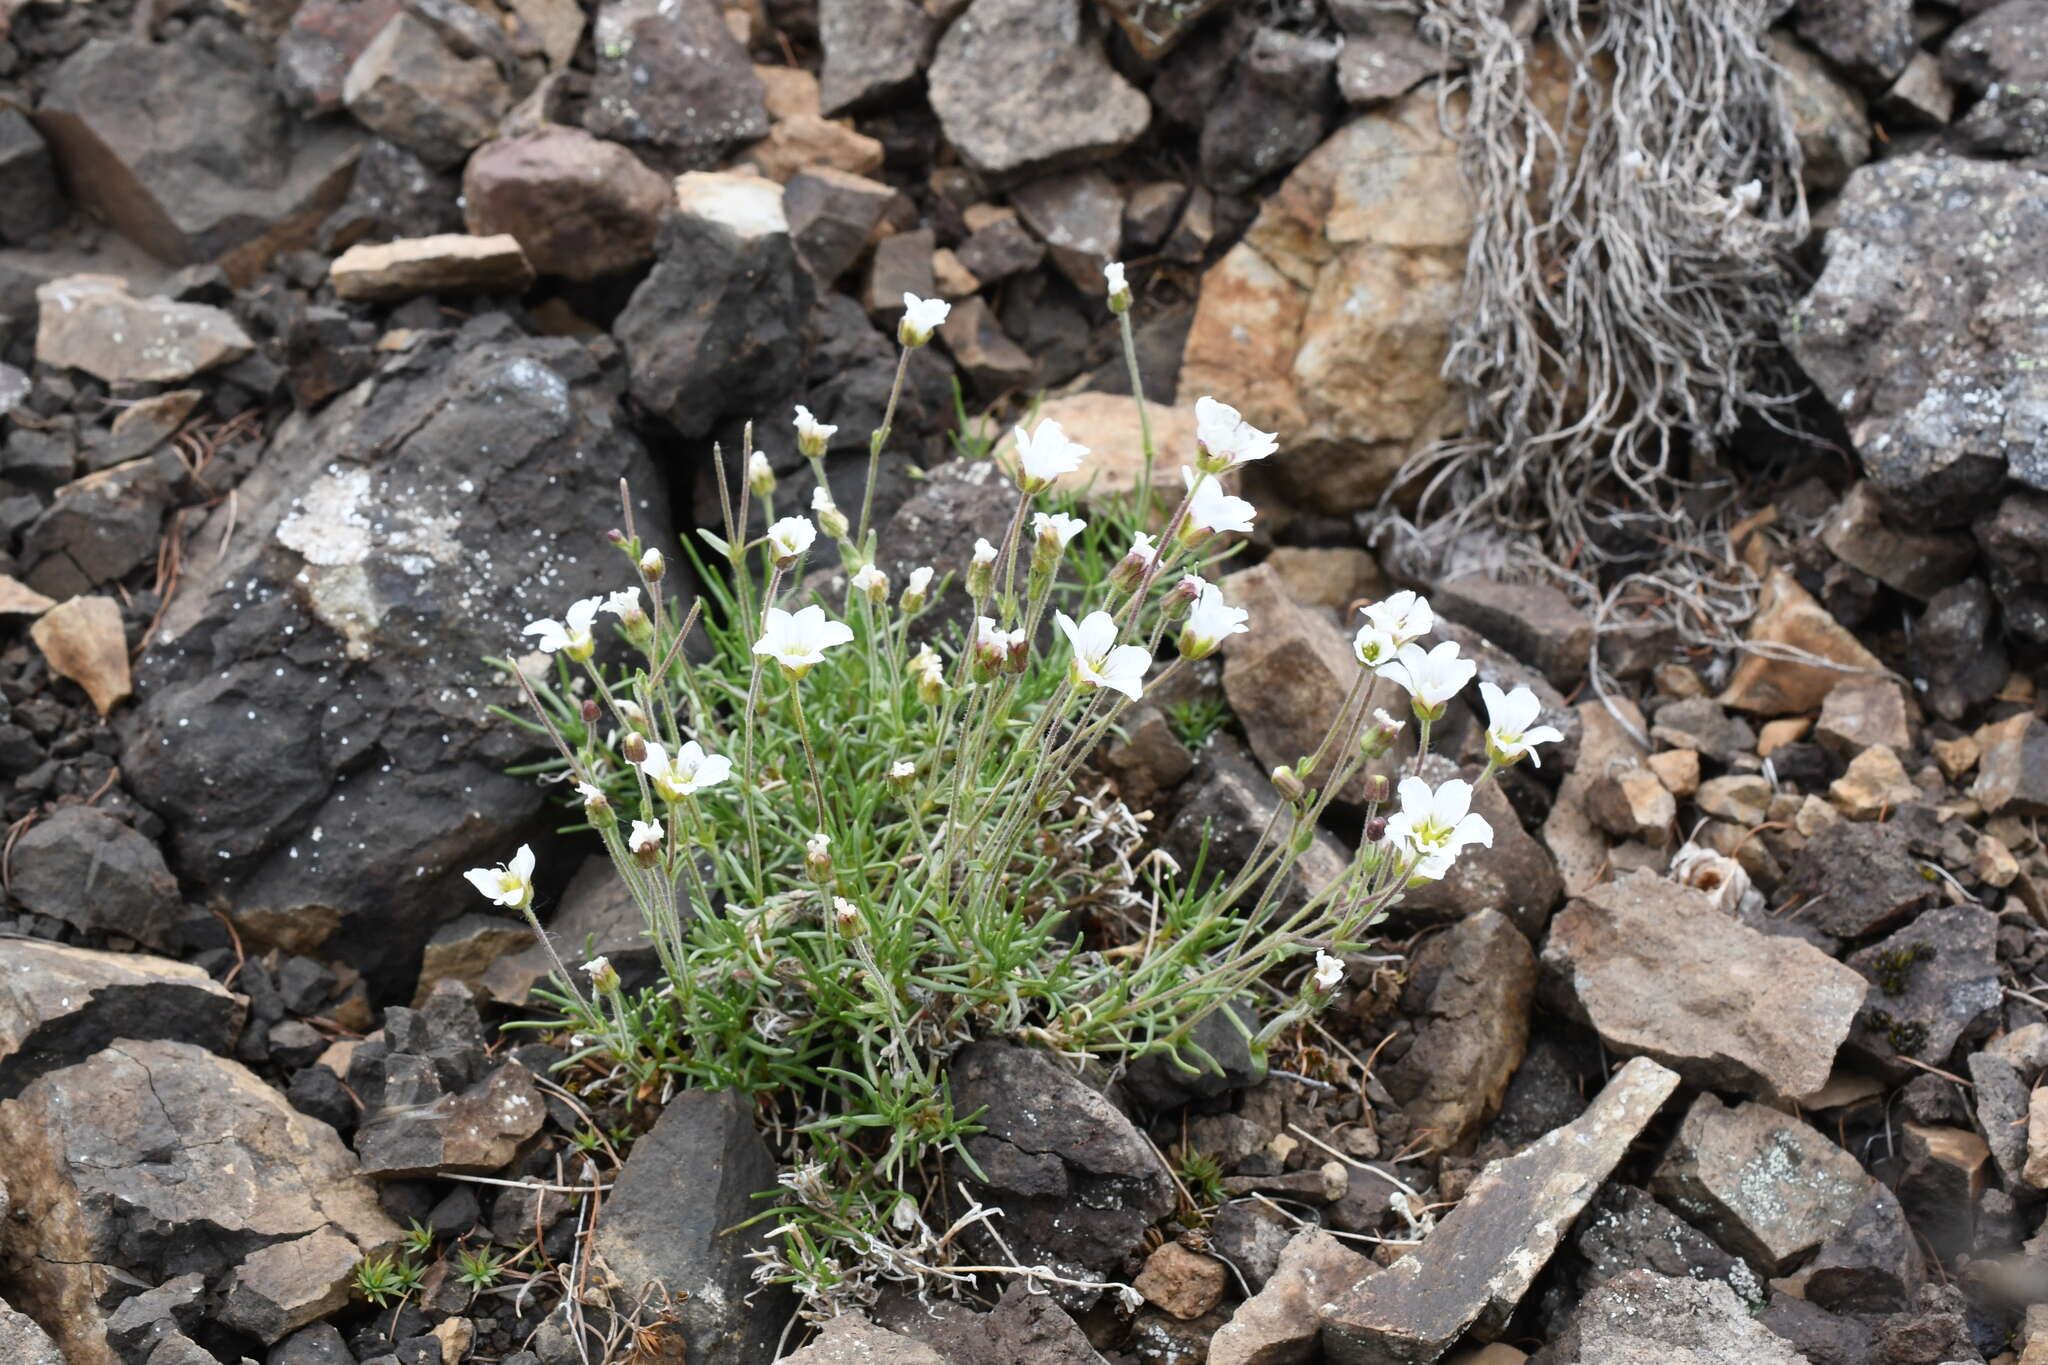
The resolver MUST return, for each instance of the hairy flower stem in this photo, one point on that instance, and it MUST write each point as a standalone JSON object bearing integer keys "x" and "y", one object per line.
{"x": 747, "y": 769}
{"x": 875, "y": 444}
{"x": 803, "y": 734}
{"x": 1130, "y": 340}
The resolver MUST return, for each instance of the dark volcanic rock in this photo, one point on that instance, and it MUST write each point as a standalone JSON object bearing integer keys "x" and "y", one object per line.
{"x": 1078, "y": 1184}
{"x": 1625, "y": 1229}
{"x": 312, "y": 722}
{"x": 1872, "y": 1265}
{"x": 185, "y": 148}
{"x": 1907, "y": 332}
{"x": 670, "y": 1218}
{"x": 2001, "y": 56}
{"x": 58, "y": 1004}
{"x": 1855, "y": 878}
{"x": 673, "y": 79}
{"x": 34, "y": 203}
{"x": 1956, "y": 649}
{"x": 1933, "y": 985}
{"x": 95, "y": 873}
{"x": 873, "y": 49}
{"x": 1872, "y": 40}
{"x": 579, "y": 206}
{"x": 1468, "y": 992}
{"x": 1278, "y": 106}
{"x": 718, "y": 326}
{"x": 1644, "y": 1317}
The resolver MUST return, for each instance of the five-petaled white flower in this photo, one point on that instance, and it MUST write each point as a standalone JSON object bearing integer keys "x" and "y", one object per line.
{"x": 1044, "y": 455}
{"x": 811, "y": 434}
{"x": 1431, "y": 678}
{"x": 645, "y": 838}
{"x": 1329, "y": 972}
{"x": 510, "y": 884}
{"x": 1403, "y": 617}
{"x": 1224, "y": 440}
{"x": 921, "y": 317}
{"x": 1210, "y": 622}
{"x": 689, "y": 772}
{"x": 872, "y": 584}
{"x": 1099, "y": 661}
{"x": 790, "y": 537}
{"x": 798, "y": 640}
{"x": 624, "y": 604}
{"x": 1212, "y": 509}
{"x": 1056, "y": 527}
{"x": 1433, "y": 826}
{"x": 1374, "y": 647}
{"x": 1509, "y": 731}
{"x": 571, "y": 635}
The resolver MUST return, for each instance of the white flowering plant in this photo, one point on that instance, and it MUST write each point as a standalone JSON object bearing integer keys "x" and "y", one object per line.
{"x": 860, "y": 838}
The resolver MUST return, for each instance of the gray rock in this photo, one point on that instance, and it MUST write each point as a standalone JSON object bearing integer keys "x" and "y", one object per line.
{"x": 2001, "y": 57}
{"x": 1078, "y": 1184}
{"x": 1934, "y": 987}
{"x": 670, "y": 1220}
{"x": 313, "y": 705}
{"x": 474, "y": 1132}
{"x": 59, "y": 1003}
{"x": 1657, "y": 970}
{"x": 1872, "y": 1265}
{"x": 672, "y": 78}
{"x": 850, "y": 1339}
{"x": 1279, "y": 104}
{"x": 1532, "y": 621}
{"x": 873, "y": 49}
{"x": 1766, "y": 1186}
{"x": 1626, "y": 1229}
{"x": 413, "y": 88}
{"x": 718, "y": 326}
{"x": 1468, "y": 993}
{"x": 2002, "y": 1103}
{"x": 394, "y": 194}
{"x": 322, "y": 43}
{"x": 92, "y": 323}
{"x": 1957, "y": 650}
{"x": 1159, "y": 1081}
{"x": 831, "y": 215}
{"x": 96, "y": 873}
{"x": 1000, "y": 250}
{"x": 1828, "y": 117}
{"x": 1821, "y": 1337}
{"x": 1855, "y": 878}
{"x": 1471, "y": 1272}
{"x": 902, "y": 265}
{"x": 154, "y": 1159}
{"x": 1228, "y": 800}
{"x": 1942, "y": 386}
{"x": 34, "y": 204}
{"x": 1872, "y": 40}
{"x": 1252, "y": 1235}
{"x": 1080, "y": 218}
{"x": 579, "y": 206}
{"x": 278, "y": 1289}
{"x": 24, "y": 1343}
{"x": 1915, "y": 562}
{"x": 1643, "y": 1318}
{"x": 1025, "y": 85}
{"x": 1920, "y": 95}
{"x": 1280, "y": 1322}
{"x": 186, "y": 150}
{"x": 1701, "y": 724}
{"x": 101, "y": 527}
{"x": 1153, "y": 27}
{"x": 2014, "y": 539}
{"x": 174, "y": 1306}
{"x": 1385, "y": 55}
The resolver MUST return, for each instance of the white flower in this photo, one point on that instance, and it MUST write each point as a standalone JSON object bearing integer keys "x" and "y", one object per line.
{"x": 819, "y": 845}
{"x": 760, "y": 475}
{"x": 1099, "y": 661}
{"x": 1374, "y": 647}
{"x": 1226, "y": 441}
{"x": 1509, "y": 732}
{"x": 624, "y": 604}
{"x": 811, "y": 434}
{"x": 921, "y": 317}
{"x": 1142, "y": 548}
{"x": 920, "y": 580}
{"x": 1329, "y": 972}
{"x": 1212, "y": 509}
{"x": 1057, "y": 527}
{"x": 509, "y": 885}
{"x": 1433, "y": 826}
{"x": 798, "y": 641}
{"x": 652, "y": 565}
{"x": 984, "y": 553}
{"x": 646, "y": 835}
{"x": 1210, "y": 622}
{"x": 872, "y": 584}
{"x": 689, "y": 772}
{"x": 902, "y": 769}
{"x": 1113, "y": 277}
{"x": 597, "y": 967}
{"x": 1431, "y": 678}
{"x": 846, "y": 914}
{"x": 589, "y": 792}
{"x": 1405, "y": 616}
{"x": 790, "y": 537}
{"x": 571, "y": 635}
{"x": 1044, "y": 455}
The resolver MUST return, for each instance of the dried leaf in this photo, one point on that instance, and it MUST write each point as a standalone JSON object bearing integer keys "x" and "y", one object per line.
{"x": 82, "y": 639}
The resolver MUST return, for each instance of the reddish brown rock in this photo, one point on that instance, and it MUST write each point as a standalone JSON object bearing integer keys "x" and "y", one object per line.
{"x": 578, "y": 206}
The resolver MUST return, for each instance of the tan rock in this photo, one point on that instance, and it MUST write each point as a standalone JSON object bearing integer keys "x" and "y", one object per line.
{"x": 1814, "y": 816}
{"x": 1107, "y": 423}
{"x": 1992, "y": 863}
{"x": 1788, "y": 615}
{"x": 2012, "y": 765}
{"x": 1744, "y": 798}
{"x": 1678, "y": 770}
{"x": 1280, "y": 1323}
{"x": 1339, "y": 579}
{"x": 1860, "y": 712}
{"x": 1184, "y": 1283}
{"x": 19, "y": 599}
{"x": 1956, "y": 756}
{"x": 1493, "y": 1353}
{"x": 92, "y": 323}
{"x": 557, "y": 23}
{"x": 2035, "y": 1172}
{"x": 1605, "y": 748}
{"x": 1680, "y": 682}
{"x": 1875, "y": 782}
{"x": 952, "y": 279}
{"x": 791, "y": 91}
{"x": 808, "y": 141}
{"x": 449, "y": 263}
{"x": 979, "y": 216}
{"x": 83, "y": 641}
{"x": 1774, "y": 735}
{"x": 1632, "y": 804}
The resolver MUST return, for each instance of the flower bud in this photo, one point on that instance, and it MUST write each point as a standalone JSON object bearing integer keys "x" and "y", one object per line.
{"x": 760, "y": 475}
{"x": 652, "y": 565}
{"x": 981, "y": 572}
{"x": 633, "y": 748}
{"x": 846, "y": 916}
{"x": 604, "y": 978}
{"x": 635, "y": 718}
{"x": 1119, "y": 288}
{"x": 590, "y": 711}
{"x": 1182, "y": 596}
{"x": 831, "y": 520}
{"x": 1287, "y": 784}
{"x": 1379, "y": 735}
{"x": 1376, "y": 829}
{"x": 1019, "y": 651}
{"x": 872, "y": 584}
{"x": 1136, "y": 563}
{"x": 1378, "y": 787}
{"x": 615, "y": 536}
{"x": 914, "y": 590}
{"x": 597, "y": 807}
{"x": 818, "y": 858}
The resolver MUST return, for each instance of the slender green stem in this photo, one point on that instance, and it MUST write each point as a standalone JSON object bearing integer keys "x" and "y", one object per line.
{"x": 875, "y": 444}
